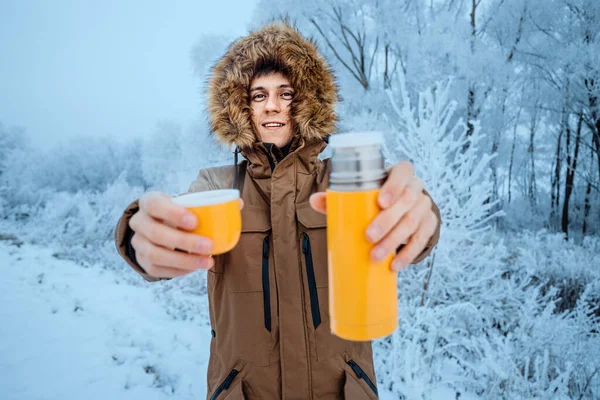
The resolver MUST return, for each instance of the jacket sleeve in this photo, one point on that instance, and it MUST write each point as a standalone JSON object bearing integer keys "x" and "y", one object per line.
{"x": 436, "y": 236}
{"x": 123, "y": 233}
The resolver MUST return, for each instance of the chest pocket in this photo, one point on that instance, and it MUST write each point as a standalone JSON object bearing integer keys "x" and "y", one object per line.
{"x": 243, "y": 266}
{"x": 242, "y": 309}
{"x": 313, "y": 244}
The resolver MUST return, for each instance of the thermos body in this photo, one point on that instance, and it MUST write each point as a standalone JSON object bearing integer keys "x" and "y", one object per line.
{"x": 363, "y": 299}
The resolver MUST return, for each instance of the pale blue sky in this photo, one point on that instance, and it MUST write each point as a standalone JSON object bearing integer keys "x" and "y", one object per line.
{"x": 72, "y": 68}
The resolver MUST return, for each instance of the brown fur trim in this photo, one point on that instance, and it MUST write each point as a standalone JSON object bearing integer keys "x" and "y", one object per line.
{"x": 313, "y": 107}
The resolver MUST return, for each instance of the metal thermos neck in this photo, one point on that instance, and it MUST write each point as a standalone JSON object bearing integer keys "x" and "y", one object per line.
{"x": 357, "y": 168}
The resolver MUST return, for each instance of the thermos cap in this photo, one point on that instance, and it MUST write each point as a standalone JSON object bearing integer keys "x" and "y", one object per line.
{"x": 356, "y": 139}
{"x": 356, "y": 161}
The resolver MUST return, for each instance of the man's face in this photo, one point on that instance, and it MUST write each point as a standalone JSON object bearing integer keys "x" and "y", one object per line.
{"x": 270, "y": 99}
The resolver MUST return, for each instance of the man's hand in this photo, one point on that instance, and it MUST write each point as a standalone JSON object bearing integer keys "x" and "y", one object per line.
{"x": 163, "y": 247}
{"x": 406, "y": 217}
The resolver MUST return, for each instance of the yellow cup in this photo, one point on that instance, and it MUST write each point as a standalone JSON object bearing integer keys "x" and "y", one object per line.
{"x": 363, "y": 298}
{"x": 219, "y": 216}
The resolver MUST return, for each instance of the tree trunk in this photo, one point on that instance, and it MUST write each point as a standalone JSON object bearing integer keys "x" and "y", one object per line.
{"x": 512, "y": 154}
{"x": 595, "y": 115}
{"x": 512, "y": 159}
{"x": 471, "y": 94}
{"x": 555, "y": 204}
{"x": 470, "y": 113}
{"x": 386, "y": 76}
{"x": 571, "y": 167}
{"x": 532, "y": 191}
{"x": 586, "y": 209}
{"x": 555, "y": 190}
{"x": 590, "y": 84}
{"x": 588, "y": 192}
{"x": 494, "y": 165}
{"x": 596, "y": 139}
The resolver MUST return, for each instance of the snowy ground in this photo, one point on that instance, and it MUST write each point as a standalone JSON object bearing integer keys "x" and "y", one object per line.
{"x": 70, "y": 332}
{"x": 79, "y": 330}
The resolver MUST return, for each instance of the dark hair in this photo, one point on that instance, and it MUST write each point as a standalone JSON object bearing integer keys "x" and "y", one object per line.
{"x": 270, "y": 66}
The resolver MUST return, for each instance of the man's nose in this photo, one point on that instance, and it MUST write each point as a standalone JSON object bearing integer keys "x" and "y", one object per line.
{"x": 273, "y": 104}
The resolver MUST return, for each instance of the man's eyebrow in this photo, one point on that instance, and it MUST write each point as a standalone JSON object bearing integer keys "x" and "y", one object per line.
{"x": 285, "y": 85}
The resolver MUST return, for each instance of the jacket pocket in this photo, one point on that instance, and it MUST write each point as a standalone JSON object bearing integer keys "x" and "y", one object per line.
{"x": 359, "y": 375}
{"x": 314, "y": 225}
{"x": 241, "y": 301}
{"x": 313, "y": 243}
{"x": 223, "y": 391}
{"x": 242, "y": 266}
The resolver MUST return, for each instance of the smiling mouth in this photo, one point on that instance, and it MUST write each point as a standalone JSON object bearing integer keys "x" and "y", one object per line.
{"x": 273, "y": 125}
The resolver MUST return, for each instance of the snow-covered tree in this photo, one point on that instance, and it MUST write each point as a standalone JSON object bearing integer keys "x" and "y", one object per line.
{"x": 483, "y": 318}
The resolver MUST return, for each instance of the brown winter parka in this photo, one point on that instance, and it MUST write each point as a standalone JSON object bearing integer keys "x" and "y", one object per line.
{"x": 268, "y": 297}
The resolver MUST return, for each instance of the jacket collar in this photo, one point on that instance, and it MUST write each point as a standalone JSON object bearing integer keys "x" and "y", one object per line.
{"x": 262, "y": 160}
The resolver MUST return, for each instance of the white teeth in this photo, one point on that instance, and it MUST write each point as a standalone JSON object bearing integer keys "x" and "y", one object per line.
{"x": 273, "y": 125}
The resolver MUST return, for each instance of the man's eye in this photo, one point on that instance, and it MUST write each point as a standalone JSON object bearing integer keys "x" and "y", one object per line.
{"x": 288, "y": 95}
{"x": 259, "y": 96}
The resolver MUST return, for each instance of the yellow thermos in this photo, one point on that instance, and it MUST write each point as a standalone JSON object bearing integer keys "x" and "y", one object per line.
{"x": 363, "y": 298}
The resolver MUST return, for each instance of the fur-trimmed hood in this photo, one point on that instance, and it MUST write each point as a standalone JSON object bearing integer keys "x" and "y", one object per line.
{"x": 313, "y": 107}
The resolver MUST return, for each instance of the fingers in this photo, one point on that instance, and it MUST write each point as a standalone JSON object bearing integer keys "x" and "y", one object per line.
{"x": 399, "y": 177}
{"x": 417, "y": 243}
{"x": 387, "y": 219}
{"x": 154, "y": 258}
{"x": 160, "y": 206}
{"x": 165, "y": 236}
{"x": 163, "y": 250}
{"x": 400, "y": 234}
{"x": 165, "y": 272}
{"x": 318, "y": 201}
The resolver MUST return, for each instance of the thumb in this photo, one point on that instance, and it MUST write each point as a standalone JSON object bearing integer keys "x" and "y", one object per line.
{"x": 318, "y": 201}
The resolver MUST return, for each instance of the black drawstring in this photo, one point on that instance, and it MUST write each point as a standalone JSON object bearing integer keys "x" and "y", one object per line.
{"x": 235, "y": 167}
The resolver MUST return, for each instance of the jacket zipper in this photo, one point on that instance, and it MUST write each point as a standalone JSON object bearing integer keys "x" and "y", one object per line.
{"x": 362, "y": 375}
{"x": 312, "y": 283}
{"x": 225, "y": 384}
{"x": 265, "y": 284}
{"x": 272, "y": 161}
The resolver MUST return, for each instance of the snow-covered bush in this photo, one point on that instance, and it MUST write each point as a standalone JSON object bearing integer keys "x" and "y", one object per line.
{"x": 71, "y": 197}
{"x": 81, "y": 165}
{"x": 172, "y": 156}
{"x": 480, "y": 319}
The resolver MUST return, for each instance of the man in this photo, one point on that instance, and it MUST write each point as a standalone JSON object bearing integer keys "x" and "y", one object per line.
{"x": 273, "y": 96}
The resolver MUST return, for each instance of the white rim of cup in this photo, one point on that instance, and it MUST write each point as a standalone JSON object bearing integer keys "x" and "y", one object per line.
{"x": 208, "y": 198}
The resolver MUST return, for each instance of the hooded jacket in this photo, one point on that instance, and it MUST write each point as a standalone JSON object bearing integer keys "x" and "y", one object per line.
{"x": 268, "y": 297}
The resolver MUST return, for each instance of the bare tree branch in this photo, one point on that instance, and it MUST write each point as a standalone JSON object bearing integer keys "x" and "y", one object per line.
{"x": 492, "y": 15}
{"x": 334, "y": 50}
{"x": 541, "y": 29}
{"x": 518, "y": 34}
{"x": 373, "y": 58}
{"x": 353, "y": 41}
